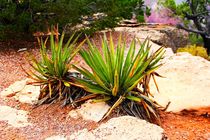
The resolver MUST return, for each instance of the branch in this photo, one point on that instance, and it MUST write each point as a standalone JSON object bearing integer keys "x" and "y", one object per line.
{"x": 192, "y": 17}
{"x": 181, "y": 26}
{"x": 191, "y": 6}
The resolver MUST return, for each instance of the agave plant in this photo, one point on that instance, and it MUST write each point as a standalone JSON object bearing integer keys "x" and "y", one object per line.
{"x": 121, "y": 79}
{"x": 52, "y": 71}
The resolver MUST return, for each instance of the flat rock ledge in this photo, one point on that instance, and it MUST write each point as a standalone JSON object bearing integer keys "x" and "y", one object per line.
{"x": 186, "y": 83}
{"x": 120, "y": 128}
{"x": 22, "y": 92}
{"x": 90, "y": 111}
{"x": 14, "y": 117}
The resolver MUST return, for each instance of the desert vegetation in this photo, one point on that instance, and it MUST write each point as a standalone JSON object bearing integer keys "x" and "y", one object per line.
{"x": 109, "y": 52}
{"x": 25, "y": 16}
{"x": 52, "y": 71}
{"x": 119, "y": 79}
{"x": 195, "y": 50}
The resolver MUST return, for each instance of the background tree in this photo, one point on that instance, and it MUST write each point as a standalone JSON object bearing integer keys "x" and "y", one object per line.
{"x": 199, "y": 14}
{"x": 196, "y": 19}
{"x": 170, "y": 4}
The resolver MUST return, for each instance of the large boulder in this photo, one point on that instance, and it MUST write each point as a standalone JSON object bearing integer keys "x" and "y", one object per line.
{"x": 163, "y": 35}
{"x": 122, "y": 128}
{"x": 173, "y": 38}
{"x": 186, "y": 83}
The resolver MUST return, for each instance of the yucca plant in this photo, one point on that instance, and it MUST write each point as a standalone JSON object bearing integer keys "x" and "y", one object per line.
{"x": 52, "y": 70}
{"x": 119, "y": 79}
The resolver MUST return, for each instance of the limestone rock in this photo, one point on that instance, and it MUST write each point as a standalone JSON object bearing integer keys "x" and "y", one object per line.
{"x": 167, "y": 36}
{"x": 168, "y": 51}
{"x": 14, "y": 117}
{"x": 82, "y": 135}
{"x": 22, "y": 92}
{"x": 186, "y": 84}
{"x": 173, "y": 38}
{"x": 90, "y": 111}
{"x": 57, "y": 137}
{"x": 141, "y": 32}
{"x": 122, "y": 128}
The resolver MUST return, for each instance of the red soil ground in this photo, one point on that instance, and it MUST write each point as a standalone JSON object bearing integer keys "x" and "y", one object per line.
{"x": 52, "y": 120}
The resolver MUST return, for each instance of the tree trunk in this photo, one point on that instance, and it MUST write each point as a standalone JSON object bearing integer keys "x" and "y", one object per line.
{"x": 206, "y": 42}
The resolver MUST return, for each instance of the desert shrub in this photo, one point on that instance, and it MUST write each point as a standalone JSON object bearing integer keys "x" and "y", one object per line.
{"x": 195, "y": 50}
{"x": 120, "y": 79}
{"x": 195, "y": 39}
{"x": 115, "y": 11}
{"x": 51, "y": 72}
{"x": 36, "y": 15}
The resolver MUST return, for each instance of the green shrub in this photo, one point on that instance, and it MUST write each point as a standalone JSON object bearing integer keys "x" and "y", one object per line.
{"x": 195, "y": 39}
{"x": 52, "y": 71}
{"x": 36, "y": 15}
{"x": 195, "y": 50}
{"x": 171, "y": 4}
{"x": 120, "y": 79}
